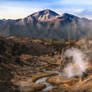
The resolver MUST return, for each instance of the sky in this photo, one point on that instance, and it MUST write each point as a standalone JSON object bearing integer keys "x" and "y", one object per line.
{"x": 14, "y": 9}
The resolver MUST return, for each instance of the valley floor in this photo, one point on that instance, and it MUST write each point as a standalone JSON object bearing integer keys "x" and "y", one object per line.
{"x": 35, "y": 66}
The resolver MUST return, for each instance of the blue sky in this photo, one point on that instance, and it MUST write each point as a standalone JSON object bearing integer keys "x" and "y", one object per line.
{"x": 12, "y": 9}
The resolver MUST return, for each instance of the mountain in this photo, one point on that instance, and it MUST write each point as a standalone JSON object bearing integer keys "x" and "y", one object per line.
{"x": 44, "y": 15}
{"x": 47, "y": 24}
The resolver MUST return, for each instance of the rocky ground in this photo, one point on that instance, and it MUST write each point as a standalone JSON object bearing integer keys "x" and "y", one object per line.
{"x": 31, "y": 65}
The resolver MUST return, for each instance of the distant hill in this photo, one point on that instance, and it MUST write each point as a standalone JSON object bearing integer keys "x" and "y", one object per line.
{"x": 86, "y": 13}
{"x": 47, "y": 24}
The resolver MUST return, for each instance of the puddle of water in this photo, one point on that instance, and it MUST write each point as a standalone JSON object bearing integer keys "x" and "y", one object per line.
{"x": 57, "y": 72}
{"x": 48, "y": 87}
{"x": 43, "y": 81}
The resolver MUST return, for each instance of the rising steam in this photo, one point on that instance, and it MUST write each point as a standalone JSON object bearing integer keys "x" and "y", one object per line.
{"x": 78, "y": 63}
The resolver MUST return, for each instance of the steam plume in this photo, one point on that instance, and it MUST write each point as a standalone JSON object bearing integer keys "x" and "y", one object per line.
{"x": 77, "y": 66}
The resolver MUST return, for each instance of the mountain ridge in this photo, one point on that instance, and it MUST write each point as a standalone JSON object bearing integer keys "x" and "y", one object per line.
{"x": 47, "y": 24}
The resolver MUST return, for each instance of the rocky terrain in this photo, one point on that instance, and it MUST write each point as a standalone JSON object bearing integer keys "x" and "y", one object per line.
{"x": 32, "y": 65}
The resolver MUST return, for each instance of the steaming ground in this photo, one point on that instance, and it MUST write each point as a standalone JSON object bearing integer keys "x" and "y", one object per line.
{"x": 77, "y": 62}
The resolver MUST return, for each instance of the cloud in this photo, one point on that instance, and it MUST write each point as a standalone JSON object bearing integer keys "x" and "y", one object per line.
{"x": 22, "y": 8}
{"x": 76, "y": 2}
{"x": 13, "y": 10}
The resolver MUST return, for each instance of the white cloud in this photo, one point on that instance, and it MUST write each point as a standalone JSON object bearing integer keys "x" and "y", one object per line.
{"x": 12, "y": 9}
{"x": 74, "y": 2}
